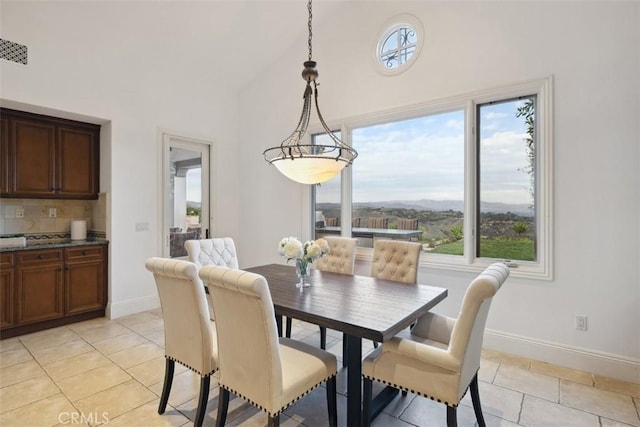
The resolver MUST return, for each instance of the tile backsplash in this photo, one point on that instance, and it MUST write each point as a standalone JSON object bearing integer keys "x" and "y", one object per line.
{"x": 36, "y": 218}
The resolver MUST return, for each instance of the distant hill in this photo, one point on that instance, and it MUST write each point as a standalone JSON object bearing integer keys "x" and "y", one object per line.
{"x": 441, "y": 205}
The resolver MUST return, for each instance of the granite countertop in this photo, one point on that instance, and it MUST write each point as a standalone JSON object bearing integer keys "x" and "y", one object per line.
{"x": 44, "y": 244}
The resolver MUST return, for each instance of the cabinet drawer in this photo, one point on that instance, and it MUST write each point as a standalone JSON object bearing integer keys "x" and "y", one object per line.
{"x": 53, "y": 256}
{"x": 6, "y": 260}
{"x": 85, "y": 253}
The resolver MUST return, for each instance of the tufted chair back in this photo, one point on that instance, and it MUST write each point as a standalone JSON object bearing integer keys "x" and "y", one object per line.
{"x": 396, "y": 260}
{"x": 219, "y": 251}
{"x": 341, "y": 257}
{"x": 189, "y": 338}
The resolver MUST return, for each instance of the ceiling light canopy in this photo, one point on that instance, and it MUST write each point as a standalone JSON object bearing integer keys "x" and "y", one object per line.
{"x": 302, "y": 160}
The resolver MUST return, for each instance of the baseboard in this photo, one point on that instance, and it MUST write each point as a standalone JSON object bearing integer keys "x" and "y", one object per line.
{"x": 596, "y": 362}
{"x": 132, "y": 306}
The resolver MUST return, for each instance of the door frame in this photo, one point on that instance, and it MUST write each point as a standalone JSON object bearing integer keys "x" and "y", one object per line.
{"x": 166, "y": 138}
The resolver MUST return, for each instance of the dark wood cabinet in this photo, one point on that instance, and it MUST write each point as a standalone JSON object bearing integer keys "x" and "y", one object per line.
{"x": 41, "y": 289}
{"x": 48, "y": 157}
{"x": 4, "y": 155}
{"x": 84, "y": 279}
{"x": 39, "y": 286}
{"x": 32, "y": 158}
{"x": 7, "y": 273}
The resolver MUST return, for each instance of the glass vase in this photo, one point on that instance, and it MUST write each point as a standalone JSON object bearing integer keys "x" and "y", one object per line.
{"x": 302, "y": 270}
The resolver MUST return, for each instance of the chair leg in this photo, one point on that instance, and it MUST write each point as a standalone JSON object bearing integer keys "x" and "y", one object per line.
{"x": 289, "y": 321}
{"x": 323, "y": 338}
{"x": 166, "y": 388}
{"x": 345, "y": 350}
{"x": 366, "y": 402}
{"x": 279, "y": 324}
{"x": 475, "y": 399}
{"x": 452, "y": 416}
{"x": 332, "y": 404}
{"x": 223, "y": 406}
{"x": 274, "y": 421}
{"x": 202, "y": 401}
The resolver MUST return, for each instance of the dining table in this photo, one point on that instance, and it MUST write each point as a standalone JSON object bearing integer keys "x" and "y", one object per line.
{"x": 362, "y": 307}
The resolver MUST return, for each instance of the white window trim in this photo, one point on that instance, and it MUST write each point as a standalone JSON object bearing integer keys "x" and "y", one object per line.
{"x": 395, "y": 23}
{"x": 542, "y": 88}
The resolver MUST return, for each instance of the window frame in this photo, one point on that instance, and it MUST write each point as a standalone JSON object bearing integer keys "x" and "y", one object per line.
{"x": 542, "y": 268}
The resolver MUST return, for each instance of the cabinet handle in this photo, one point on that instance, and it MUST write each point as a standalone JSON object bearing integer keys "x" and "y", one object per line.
{"x": 40, "y": 256}
{"x": 84, "y": 252}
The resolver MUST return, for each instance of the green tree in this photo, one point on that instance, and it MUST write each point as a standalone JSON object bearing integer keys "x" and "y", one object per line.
{"x": 457, "y": 231}
{"x": 520, "y": 227}
{"x": 527, "y": 110}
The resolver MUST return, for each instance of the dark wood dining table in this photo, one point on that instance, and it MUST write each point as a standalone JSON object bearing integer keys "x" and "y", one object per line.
{"x": 359, "y": 306}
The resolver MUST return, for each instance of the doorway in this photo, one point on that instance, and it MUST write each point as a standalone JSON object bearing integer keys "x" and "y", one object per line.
{"x": 186, "y": 199}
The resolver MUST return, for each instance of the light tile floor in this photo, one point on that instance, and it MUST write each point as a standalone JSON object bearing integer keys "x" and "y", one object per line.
{"x": 110, "y": 372}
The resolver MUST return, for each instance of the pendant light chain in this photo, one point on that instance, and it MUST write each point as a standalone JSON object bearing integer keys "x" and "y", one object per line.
{"x": 310, "y": 33}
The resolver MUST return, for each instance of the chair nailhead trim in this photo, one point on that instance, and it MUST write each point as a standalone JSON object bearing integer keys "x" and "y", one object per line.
{"x": 285, "y": 406}
{"x": 193, "y": 369}
{"x": 399, "y": 387}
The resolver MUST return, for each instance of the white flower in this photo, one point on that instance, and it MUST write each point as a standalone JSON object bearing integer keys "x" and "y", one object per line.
{"x": 293, "y": 248}
{"x": 313, "y": 250}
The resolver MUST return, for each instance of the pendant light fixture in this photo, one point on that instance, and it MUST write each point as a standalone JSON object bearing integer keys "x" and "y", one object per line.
{"x": 302, "y": 160}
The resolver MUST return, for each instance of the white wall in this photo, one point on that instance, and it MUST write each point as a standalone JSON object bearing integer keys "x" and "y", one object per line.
{"x": 116, "y": 62}
{"x": 593, "y": 51}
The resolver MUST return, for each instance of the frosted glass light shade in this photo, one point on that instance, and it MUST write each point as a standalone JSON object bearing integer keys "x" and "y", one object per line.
{"x": 310, "y": 170}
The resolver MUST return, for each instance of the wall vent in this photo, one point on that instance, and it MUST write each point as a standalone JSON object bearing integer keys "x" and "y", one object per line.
{"x": 13, "y": 52}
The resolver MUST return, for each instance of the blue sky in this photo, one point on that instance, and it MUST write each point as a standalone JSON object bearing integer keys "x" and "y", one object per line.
{"x": 423, "y": 158}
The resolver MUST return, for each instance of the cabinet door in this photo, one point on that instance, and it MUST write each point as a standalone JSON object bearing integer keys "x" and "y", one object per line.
{"x": 40, "y": 289}
{"x": 4, "y": 156}
{"x": 85, "y": 279}
{"x": 33, "y": 166}
{"x": 77, "y": 162}
{"x": 6, "y": 290}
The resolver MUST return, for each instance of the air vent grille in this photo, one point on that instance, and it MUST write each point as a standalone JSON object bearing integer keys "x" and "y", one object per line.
{"x": 13, "y": 52}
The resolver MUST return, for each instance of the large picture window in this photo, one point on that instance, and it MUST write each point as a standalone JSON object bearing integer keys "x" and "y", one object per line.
{"x": 469, "y": 178}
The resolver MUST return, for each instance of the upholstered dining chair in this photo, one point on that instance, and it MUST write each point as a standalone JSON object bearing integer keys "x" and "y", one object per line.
{"x": 439, "y": 357}
{"x": 269, "y": 372}
{"x": 396, "y": 260}
{"x": 340, "y": 259}
{"x": 189, "y": 336}
{"x": 220, "y": 251}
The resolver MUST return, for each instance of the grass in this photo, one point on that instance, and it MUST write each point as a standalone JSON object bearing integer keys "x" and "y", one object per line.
{"x": 516, "y": 249}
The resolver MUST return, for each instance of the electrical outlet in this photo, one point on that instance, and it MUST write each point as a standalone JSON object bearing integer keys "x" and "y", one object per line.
{"x": 53, "y": 212}
{"x": 142, "y": 226}
{"x": 581, "y": 322}
{"x": 19, "y": 213}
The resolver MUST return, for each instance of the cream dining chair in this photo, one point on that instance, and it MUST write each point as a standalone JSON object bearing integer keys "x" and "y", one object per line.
{"x": 439, "y": 357}
{"x": 340, "y": 259}
{"x": 269, "y": 372}
{"x": 396, "y": 260}
{"x": 220, "y": 251}
{"x": 189, "y": 337}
